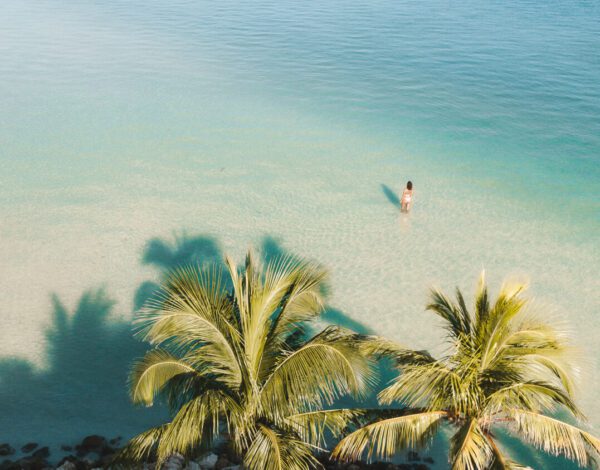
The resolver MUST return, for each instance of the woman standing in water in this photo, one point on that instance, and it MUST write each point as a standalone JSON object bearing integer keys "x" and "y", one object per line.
{"x": 406, "y": 199}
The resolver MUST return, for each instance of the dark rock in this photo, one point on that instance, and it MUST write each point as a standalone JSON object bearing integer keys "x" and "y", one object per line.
{"x": 428, "y": 460}
{"x": 413, "y": 456}
{"x": 30, "y": 463}
{"x": 7, "y": 464}
{"x": 106, "y": 460}
{"x": 115, "y": 441}
{"x": 92, "y": 443}
{"x": 378, "y": 466}
{"x": 29, "y": 447}
{"x": 68, "y": 465}
{"x": 107, "y": 450}
{"x": 5, "y": 449}
{"x": 222, "y": 462}
{"x": 71, "y": 462}
{"x": 174, "y": 462}
{"x": 66, "y": 448}
{"x": 42, "y": 453}
{"x": 420, "y": 466}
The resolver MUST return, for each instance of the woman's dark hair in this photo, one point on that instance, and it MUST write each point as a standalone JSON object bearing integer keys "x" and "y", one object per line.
{"x": 409, "y": 185}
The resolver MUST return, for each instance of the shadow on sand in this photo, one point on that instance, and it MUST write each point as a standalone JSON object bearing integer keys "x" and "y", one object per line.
{"x": 89, "y": 351}
{"x": 88, "y": 357}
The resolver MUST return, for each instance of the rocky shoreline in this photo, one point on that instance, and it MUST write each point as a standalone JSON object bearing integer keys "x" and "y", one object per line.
{"x": 97, "y": 452}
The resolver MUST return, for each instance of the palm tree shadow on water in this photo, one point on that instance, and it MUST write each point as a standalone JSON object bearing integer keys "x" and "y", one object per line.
{"x": 88, "y": 355}
{"x": 166, "y": 256}
{"x": 89, "y": 352}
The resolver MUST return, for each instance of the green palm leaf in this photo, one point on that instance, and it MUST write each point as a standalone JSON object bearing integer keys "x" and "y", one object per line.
{"x": 554, "y": 436}
{"x": 312, "y": 425}
{"x": 272, "y": 450}
{"x": 150, "y": 374}
{"x": 469, "y": 448}
{"x": 384, "y": 438}
{"x": 325, "y": 368}
{"x": 505, "y": 366}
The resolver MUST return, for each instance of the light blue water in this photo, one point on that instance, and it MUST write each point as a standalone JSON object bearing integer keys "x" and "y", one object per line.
{"x": 276, "y": 123}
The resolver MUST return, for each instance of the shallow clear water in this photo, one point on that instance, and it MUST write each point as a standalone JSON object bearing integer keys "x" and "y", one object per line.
{"x": 284, "y": 125}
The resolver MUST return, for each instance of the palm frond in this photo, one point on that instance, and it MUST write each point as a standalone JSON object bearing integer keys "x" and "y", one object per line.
{"x": 555, "y": 437}
{"x": 326, "y": 367}
{"x": 433, "y": 385}
{"x": 379, "y": 347}
{"x": 197, "y": 423}
{"x": 469, "y": 448}
{"x": 458, "y": 319}
{"x": 482, "y": 306}
{"x": 312, "y": 426}
{"x": 271, "y": 450}
{"x": 140, "y": 448}
{"x": 533, "y": 396}
{"x": 304, "y": 298}
{"x": 384, "y": 438}
{"x": 150, "y": 374}
{"x": 498, "y": 325}
{"x": 499, "y": 460}
{"x": 193, "y": 312}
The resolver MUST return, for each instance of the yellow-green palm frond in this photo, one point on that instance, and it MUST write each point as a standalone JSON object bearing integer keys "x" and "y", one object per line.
{"x": 482, "y": 305}
{"x": 150, "y": 374}
{"x": 193, "y": 315}
{"x": 533, "y": 396}
{"x": 323, "y": 369}
{"x": 287, "y": 294}
{"x": 140, "y": 448}
{"x": 459, "y": 322}
{"x": 538, "y": 350}
{"x": 555, "y": 437}
{"x": 499, "y": 323}
{"x": 380, "y": 347}
{"x": 273, "y": 450}
{"x": 313, "y": 425}
{"x": 499, "y": 460}
{"x": 196, "y": 289}
{"x": 197, "y": 423}
{"x": 433, "y": 386}
{"x": 384, "y": 438}
{"x": 469, "y": 448}
{"x": 303, "y": 299}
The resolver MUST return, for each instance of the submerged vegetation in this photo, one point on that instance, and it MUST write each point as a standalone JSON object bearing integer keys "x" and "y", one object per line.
{"x": 234, "y": 359}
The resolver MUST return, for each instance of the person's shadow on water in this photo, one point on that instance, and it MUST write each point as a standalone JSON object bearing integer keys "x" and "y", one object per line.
{"x": 391, "y": 195}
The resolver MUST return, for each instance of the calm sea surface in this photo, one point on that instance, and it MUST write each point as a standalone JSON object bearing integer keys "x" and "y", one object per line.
{"x": 135, "y": 136}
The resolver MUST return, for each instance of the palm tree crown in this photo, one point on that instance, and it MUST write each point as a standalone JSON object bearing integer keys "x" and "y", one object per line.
{"x": 507, "y": 367}
{"x": 231, "y": 358}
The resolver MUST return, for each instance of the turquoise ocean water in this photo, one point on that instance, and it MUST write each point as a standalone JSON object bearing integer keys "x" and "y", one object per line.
{"x": 138, "y": 135}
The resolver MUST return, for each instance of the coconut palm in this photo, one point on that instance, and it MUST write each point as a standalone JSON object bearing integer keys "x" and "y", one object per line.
{"x": 506, "y": 368}
{"x": 232, "y": 360}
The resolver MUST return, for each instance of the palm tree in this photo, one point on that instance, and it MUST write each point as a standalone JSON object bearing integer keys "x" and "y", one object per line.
{"x": 232, "y": 360}
{"x": 506, "y": 368}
